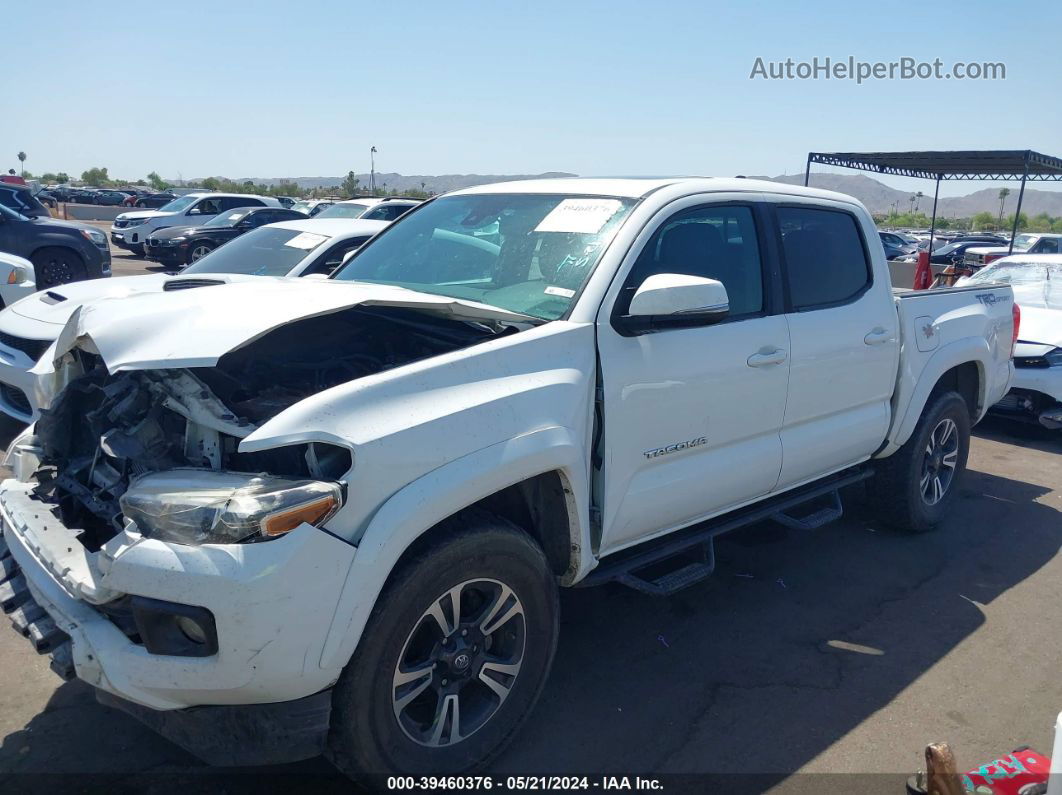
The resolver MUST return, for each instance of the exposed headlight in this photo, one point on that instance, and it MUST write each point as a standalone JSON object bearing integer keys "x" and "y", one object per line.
{"x": 18, "y": 275}
{"x": 172, "y": 241}
{"x": 133, "y": 221}
{"x": 95, "y": 237}
{"x": 1054, "y": 358}
{"x": 192, "y": 506}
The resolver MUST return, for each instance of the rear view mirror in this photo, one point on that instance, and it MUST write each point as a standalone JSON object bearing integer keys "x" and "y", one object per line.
{"x": 674, "y": 300}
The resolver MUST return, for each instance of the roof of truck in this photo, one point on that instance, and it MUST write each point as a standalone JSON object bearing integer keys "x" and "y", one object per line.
{"x": 638, "y": 187}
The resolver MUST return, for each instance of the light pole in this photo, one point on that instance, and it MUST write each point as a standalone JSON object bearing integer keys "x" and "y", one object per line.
{"x": 372, "y": 170}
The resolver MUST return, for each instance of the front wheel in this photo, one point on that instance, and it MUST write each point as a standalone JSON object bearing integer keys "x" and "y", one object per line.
{"x": 198, "y": 250}
{"x": 916, "y": 486}
{"x": 55, "y": 265}
{"x": 453, "y": 658}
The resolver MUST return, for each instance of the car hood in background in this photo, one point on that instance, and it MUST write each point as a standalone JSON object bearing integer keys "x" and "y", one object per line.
{"x": 59, "y": 222}
{"x": 195, "y": 328}
{"x": 142, "y": 215}
{"x": 176, "y": 231}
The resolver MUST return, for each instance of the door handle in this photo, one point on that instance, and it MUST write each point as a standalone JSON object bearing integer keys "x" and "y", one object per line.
{"x": 767, "y": 358}
{"x": 877, "y": 336}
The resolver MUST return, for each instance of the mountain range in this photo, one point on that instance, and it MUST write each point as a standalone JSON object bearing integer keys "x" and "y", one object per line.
{"x": 878, "y": 197}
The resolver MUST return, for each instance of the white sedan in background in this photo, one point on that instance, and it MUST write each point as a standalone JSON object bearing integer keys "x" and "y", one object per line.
{"x": 16, "y": 278}
{"x": 29, "y": 326}
{"x": 1036, "y": 389}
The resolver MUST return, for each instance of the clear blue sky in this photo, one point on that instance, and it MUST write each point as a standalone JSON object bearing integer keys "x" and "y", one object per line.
{"x": 305, "y": 88}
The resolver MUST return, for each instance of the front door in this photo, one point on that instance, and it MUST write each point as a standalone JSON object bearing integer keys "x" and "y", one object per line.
{"x": 691, "y": 417}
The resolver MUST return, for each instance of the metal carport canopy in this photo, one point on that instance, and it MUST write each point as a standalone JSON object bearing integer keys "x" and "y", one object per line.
{"x": 999, "y": 165}
{"x": 990, "y": 165}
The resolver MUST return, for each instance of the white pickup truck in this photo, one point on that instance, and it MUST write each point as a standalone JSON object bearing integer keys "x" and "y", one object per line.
{"x": 275, "y": 519}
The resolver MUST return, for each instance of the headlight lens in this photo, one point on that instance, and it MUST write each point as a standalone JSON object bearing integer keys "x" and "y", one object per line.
{"x": 173, "y": 241}
{"x": 1054, "y": 358}
{"x": 17, "y": 276}
{"x": 95, "y": 237}
{"x": 191, "y": 506}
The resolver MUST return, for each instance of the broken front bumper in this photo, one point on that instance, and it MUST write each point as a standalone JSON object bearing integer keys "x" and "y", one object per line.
{"x": 272, "y": 602}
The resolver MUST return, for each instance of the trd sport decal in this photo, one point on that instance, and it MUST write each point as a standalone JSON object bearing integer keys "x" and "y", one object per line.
{"x": 674, "y": 448}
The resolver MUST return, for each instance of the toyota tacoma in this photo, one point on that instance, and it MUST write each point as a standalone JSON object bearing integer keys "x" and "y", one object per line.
{"x": 276, "y": 519}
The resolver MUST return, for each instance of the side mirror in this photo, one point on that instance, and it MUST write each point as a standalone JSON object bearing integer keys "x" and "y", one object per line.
{"x": 347, "y": 257}
{"x": 316, "y": 276}
{"x": 674, "y": 300}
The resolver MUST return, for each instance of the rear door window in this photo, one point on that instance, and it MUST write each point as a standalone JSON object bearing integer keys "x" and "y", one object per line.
{"x": 826, "y": 259}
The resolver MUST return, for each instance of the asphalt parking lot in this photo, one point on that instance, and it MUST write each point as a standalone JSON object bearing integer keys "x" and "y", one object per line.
{"x": 841, "y": 651}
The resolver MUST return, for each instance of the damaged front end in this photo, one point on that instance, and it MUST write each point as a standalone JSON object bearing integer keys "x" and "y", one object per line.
{"x": 108, "y": 437}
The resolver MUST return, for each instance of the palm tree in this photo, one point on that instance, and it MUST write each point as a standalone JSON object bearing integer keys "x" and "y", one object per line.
{"x": 22, "y": 160}
{"x": 918, "y": 199}
{"x": 912, "y": 201}
{"x": 1003, "y": 194}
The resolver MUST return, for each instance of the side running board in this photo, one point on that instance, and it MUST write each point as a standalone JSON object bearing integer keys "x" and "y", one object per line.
{"x": 665, "y": 565}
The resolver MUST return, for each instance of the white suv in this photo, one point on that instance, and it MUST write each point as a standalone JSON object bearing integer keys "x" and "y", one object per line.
{"x": 131, "y": 230}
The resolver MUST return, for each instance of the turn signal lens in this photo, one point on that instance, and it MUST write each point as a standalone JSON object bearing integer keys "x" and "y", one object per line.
{"x": 315, "y": 513}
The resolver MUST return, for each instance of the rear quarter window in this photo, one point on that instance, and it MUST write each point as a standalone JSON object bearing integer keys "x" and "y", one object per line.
{"x": 825, "y": 256}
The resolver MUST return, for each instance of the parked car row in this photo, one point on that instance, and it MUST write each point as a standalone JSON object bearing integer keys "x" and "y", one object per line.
{"x": 340, "y": 506}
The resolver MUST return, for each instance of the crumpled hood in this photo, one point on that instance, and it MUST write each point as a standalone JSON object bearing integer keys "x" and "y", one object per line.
{"x": 195, "y": 328}
{"x": 53, "y": 308}
{"x": 1040, "y": 324}
{"x": 1041, "y": 312}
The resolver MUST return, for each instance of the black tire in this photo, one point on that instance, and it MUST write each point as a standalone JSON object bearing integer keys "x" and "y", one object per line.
{"x": 55, "y": 265}
{"x": 137, "y": 251}
{"x": 897, "y": 494}
{"x": 366, "y": 739}
{"x": 195, "y": 250}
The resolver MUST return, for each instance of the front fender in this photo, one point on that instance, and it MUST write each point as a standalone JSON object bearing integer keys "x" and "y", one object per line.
{"x": 441, "y": 493}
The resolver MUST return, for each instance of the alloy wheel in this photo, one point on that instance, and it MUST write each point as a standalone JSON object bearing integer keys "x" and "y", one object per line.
{"x": 459, "y": 663}
{"x": 939, "y": 461}
{"x": 198, "y": 252}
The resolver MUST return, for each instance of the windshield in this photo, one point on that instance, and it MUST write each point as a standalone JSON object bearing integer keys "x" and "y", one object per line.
{"x": 177, "y": 205}
{"x": 527, "y": 253}
{"x": 1023, "y": 242}
{"x": 343, "y": 210}
{"x": 302, "y": 207}
{"x": 266, "y": 251}
{"x": 950, "y": 247}
{"x": 1018, "y": 273}
{"x": 228, "y": 219}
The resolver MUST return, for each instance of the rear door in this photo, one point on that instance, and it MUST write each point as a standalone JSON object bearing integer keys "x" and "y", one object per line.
{"x": 691, "y": 416}
{"x": 844, "y": 334}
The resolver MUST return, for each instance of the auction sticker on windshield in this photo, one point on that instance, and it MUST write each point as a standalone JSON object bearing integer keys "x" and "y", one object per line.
{"x": 306, "y": 241}
{"x": 579, "y": 216}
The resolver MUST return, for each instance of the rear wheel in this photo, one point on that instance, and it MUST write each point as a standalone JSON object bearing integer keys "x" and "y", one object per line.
{"x": 55, "y": 265}
{"x": 198, "y": 250}
{"x": 453, "y": 658}
{"x": 916, "y": 486}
